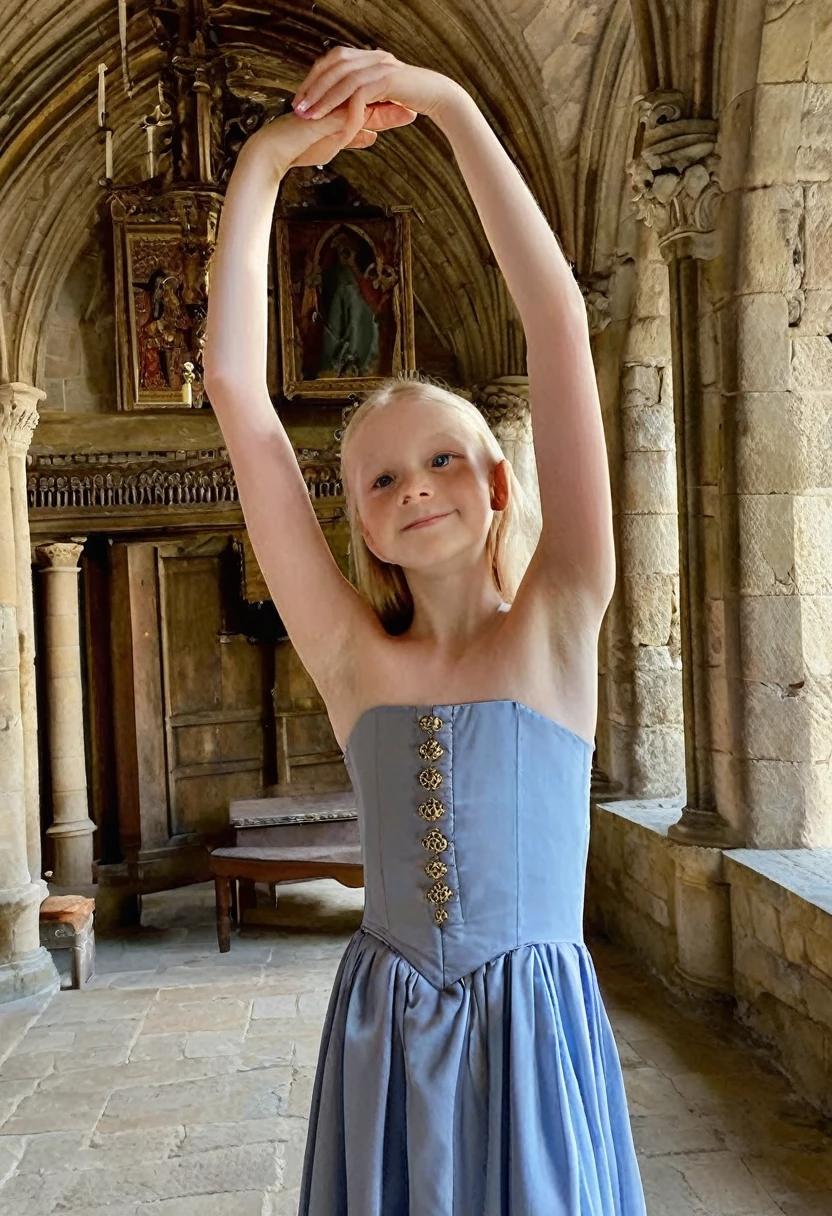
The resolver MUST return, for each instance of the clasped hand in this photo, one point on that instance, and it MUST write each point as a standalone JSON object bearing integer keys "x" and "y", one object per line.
{"x": 350, "y": 95}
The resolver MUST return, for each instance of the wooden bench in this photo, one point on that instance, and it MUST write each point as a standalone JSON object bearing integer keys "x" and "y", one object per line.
{"x": 248, "y": 864}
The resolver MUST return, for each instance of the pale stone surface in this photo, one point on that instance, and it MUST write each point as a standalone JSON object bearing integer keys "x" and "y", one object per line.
{"x": 812, "y": 161}
{"x": 777, "y": 107}
{"x": 763, "y": 351}
{"x": 770, "y": 255}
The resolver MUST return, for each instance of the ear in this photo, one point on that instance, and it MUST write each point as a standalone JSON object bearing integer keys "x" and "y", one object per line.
{"x": 500, "y": 486}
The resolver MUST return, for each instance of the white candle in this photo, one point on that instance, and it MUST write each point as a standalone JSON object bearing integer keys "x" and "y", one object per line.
{"x": 102, "y": 105}
{"x": 108, "y": 154}
{"x": 151, "y": 159}
{"x": 122, "y": 24}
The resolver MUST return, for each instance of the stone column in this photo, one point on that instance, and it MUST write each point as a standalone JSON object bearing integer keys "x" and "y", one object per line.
{"x": 26, "y": 967}
{"x": 504, "y": 401}
{"x": 72, "y": 828}
{"x": 22, "y": 399}
{"x": 676, "y": 192}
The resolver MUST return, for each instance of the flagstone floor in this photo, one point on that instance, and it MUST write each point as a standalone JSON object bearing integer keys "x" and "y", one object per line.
{"x": 178, "y": 1082}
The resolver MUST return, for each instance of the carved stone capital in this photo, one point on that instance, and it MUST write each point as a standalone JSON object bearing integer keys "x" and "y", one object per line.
{"x": 19, "y": 415}
{"x": 60, "y": 554}
{"x": 597, "y": 299}
{"x": 673, "y": 172}
{"x": 504, "y": 403}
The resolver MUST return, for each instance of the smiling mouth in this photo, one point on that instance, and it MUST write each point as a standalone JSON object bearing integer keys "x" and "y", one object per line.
{"x": 429, "y": 519}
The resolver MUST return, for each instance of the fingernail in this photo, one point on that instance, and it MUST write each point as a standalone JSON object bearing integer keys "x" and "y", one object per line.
{"x": 301, "y": 106}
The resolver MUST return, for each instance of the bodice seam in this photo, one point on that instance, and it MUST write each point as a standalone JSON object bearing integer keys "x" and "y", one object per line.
{"x": 387, "y": 939}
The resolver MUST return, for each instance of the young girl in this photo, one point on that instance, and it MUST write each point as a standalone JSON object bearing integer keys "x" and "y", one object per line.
{"x": 467, "y": 1065}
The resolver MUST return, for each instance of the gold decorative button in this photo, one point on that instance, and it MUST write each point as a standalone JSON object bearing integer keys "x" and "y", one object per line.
{"x": 439, "y": 893}
{"x": 431, "y": 778}
{"x": 434, "y": 841}
{"x": 430, "y": 722}
{"x": 432, "y": 809}
{"x": 431, "y": 749}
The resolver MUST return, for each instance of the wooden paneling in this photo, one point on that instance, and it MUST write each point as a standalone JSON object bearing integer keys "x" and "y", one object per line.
{"x": 215, "y": 702}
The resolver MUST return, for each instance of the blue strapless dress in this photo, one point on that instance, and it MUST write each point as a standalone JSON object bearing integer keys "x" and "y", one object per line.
{"x": 467, "y": 1064}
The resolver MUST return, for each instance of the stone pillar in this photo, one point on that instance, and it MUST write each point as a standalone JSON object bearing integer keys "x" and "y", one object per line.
{"x": 22, "y": 399}
{"x": 676, "y": 193}
{"x": 504, "y": 401}
{"x": 26, "y": 967}
{"x": 777, "y": 387}
{"x": 71, "y": 829}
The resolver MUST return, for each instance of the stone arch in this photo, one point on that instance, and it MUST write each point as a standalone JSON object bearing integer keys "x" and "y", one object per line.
{"x": 52, "y": 202}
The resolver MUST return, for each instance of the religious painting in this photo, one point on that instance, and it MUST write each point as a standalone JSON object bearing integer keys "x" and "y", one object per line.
{"x": 162, "y": 303}
{"x": 346, "y": 306}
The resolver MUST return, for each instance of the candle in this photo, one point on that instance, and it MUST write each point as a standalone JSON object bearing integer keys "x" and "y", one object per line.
{"x": 122, "y": 24}
{"x": 108, "y": 154}
{"x": 102, "y": 106}
{"x": 151, "y": 158}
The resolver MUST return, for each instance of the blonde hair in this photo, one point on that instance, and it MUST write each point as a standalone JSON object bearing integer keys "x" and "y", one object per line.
{"x": 511, "y": 538}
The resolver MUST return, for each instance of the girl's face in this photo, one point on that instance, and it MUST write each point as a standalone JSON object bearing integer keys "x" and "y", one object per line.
{"x": 414, "y": 461}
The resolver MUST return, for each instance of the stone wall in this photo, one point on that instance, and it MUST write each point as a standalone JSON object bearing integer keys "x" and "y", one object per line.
{"x": 80, "y": 338}
{"x": 748, "y": 927}
{"x": 781, "y": 918}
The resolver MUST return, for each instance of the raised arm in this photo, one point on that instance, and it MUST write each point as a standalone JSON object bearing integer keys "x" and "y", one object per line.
{"x": 576, "y": 549}
{"x": 318, "y": 606}
{"x": 576, "y": 544}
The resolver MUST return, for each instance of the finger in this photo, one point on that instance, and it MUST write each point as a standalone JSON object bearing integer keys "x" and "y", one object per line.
{"x": 364, "y": 139}
{"x": 305, "y": 102}
{"x": 385, "y": 115}
{"x": 357, "y": 62}
{"x": 322, "y": 65}
{"x": 369, "y": 80}
{"x": 356, "y": 111}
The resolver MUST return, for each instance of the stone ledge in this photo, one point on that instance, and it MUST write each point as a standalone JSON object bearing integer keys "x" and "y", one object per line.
{"x": 748, "y": 927}
{"x": 807, "y": 873}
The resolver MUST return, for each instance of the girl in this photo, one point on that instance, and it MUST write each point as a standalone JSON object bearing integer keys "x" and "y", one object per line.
{"x": 467, "y": 1064}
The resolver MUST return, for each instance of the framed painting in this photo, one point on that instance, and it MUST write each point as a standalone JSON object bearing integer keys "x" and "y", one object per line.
{"x": 346, "y": 303}
{"x": 162, "y": 253}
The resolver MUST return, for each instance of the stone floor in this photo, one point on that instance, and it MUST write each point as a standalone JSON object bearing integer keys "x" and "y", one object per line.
{"x": 178, "y": 1083}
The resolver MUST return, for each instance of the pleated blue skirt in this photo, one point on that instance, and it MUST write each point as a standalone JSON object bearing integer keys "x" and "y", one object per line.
{"x": 499, "y": 1095}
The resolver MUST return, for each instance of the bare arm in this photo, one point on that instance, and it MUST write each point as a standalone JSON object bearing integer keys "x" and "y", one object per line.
{"x": 319, "y": 607}
{"x": 576, "y": 545}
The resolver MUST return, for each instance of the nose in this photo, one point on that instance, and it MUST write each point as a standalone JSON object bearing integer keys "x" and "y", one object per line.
{"x": 414, "y": 487}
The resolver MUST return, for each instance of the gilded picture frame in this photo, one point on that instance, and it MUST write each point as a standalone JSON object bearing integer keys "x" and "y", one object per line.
{"x": 161, "y": 311}
{"x": 345, "y": 300}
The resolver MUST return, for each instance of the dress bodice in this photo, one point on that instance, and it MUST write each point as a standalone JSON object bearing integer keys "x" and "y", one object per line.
{"x": 474, "y": 822}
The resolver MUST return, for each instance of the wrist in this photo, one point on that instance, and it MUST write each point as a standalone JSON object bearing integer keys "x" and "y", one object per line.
{"x": 453, "y": 100}
{"x": 280, "y": 141}
{"x": 256, "y": 159}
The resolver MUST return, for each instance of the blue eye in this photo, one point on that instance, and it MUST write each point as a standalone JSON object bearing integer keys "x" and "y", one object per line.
{"x": 439, "y": 456}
